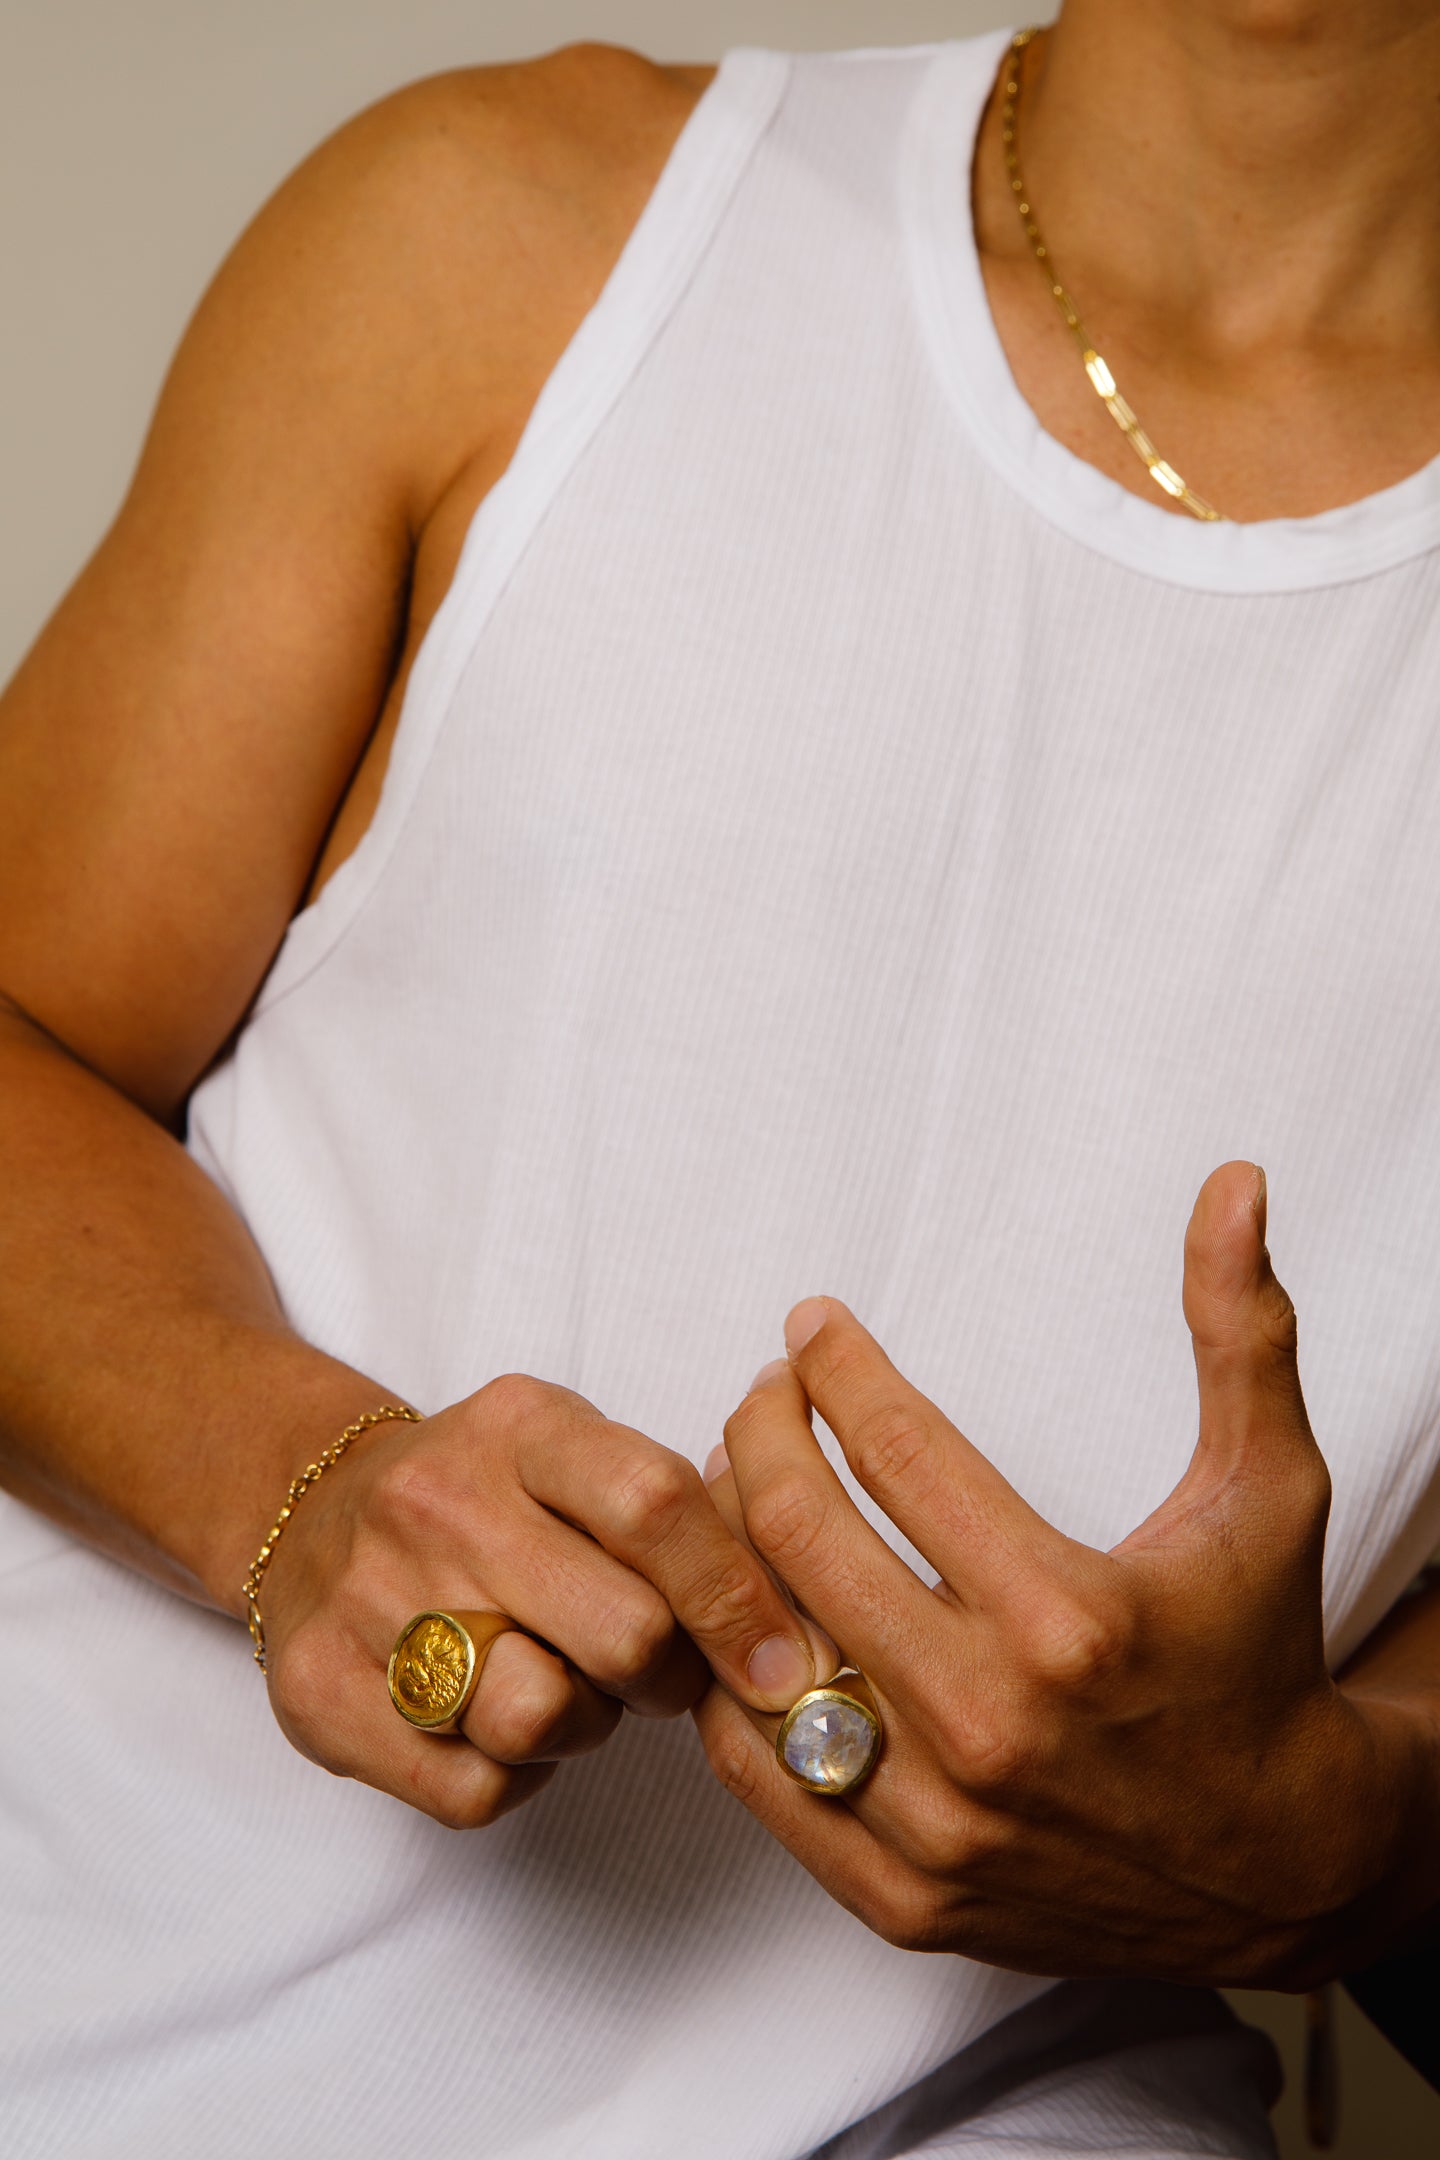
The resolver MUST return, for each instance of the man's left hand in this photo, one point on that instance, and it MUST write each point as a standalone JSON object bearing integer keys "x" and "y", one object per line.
{"x": 1126, "y": 1762}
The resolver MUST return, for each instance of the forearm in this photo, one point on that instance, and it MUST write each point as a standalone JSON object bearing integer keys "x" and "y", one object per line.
{"x": 152, "y": 1397}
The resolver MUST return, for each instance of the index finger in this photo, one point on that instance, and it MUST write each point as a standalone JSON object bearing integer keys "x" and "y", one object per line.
{"x": 947, "y": 1498}
{"x": 649, "y": 1508}
{"x": 801, "y": 1519}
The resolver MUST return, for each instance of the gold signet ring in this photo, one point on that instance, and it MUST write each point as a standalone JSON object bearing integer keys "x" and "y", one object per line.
{"x": 831, "y": 1740}
{"x": 436, "y": 1665}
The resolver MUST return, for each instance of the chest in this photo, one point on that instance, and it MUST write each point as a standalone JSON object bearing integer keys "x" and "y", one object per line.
{"x": 815, "y": 872}
{"x": 927, "y": 934}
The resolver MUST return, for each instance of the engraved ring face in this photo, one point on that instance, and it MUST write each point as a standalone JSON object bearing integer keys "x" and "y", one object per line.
{"x": 431, "y": 1668}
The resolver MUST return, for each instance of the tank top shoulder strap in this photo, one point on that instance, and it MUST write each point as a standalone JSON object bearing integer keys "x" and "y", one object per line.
{"x": 649, "y": 281}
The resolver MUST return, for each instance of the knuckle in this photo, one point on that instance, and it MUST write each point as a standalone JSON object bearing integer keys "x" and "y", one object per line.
{"x": 744, "y": 1418}
{"x": 837, "y": 1358}
{"x": 998, "y": 1756}
{"x": 910, "y": 1916}
{"x": 936, "y": 1840}
{"x": 494, "y": 1795}
{"x": 1278, "y": 1317}
{"x": 786, "y": 1519}
{"x": 1313, "y": 1485}
{"x": 413, "y": 1500}
{"x": 302, "y": 1684}
{"x": 988, "y": 1842}
{"x": 468, "y": 1798}
{"x": 728, "y": 1606}
{"x": 523, "y": 1723}
{"x": 1074, "y": 1643}
{"x": 887, "y": 1446}
{"x": 632, "y": 1643}
{"x": 512, "y": 1399}
{"x": 1306, "y": 1509}
{"x": 653, "y": 1495}
{"x": 474, "y": 1810}
{"x": 735, "y": 1767}
{"x": 1317, "y": 1488}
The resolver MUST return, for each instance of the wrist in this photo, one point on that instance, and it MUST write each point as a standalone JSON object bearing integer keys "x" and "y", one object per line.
{"x": 1404, "y": 1906}
{"x": 320, "y": 1399}
{"x": 310, "y": 1475}
{"x": 1377, "y": 1877}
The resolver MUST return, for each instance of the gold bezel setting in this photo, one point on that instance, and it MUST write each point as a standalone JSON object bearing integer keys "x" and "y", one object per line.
{"x": 851, "y": 1698}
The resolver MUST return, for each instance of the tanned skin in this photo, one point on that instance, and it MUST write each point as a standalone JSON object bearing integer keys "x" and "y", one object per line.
{"x": 200, "y": 737}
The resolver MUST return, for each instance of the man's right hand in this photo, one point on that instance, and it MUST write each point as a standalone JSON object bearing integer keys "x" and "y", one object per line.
{"x": 602, "y": 1545}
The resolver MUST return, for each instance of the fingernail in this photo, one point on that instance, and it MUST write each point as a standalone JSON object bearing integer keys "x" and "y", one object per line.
{"x": 806, "y": 1320}
{"x": 768, "y": 1372}
{"x": 782, "y": 1669}
{"x": 717, "y": 1462}
{"x": 1259, "y": 1200}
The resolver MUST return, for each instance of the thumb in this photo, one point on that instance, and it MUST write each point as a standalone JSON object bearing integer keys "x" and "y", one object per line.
{"x": 1241, "y": 1322}
{"x": 1256, "y": 1459}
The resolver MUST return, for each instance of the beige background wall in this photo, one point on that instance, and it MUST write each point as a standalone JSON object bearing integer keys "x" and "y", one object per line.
{"x": 136, "y": 137}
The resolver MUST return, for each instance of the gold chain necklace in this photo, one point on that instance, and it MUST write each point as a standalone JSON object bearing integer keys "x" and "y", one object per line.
{"x": 1102, "y": 381}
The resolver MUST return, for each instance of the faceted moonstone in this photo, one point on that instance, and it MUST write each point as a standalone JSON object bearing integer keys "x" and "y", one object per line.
{"x": 830, "y": 1745}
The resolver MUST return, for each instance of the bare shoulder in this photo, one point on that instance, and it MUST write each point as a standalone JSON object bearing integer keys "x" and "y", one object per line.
{"x": 184, "y": 729}
{"x": 565, "y": 141}
{"x": 574, "y": 114}
{"x": 462, "y": 226}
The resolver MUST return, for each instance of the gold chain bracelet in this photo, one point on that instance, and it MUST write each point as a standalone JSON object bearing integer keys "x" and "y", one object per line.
{"x": 323, "y": 1462}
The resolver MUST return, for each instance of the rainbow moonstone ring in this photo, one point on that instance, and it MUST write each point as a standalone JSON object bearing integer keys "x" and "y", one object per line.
{"x": 831, "y": 1740}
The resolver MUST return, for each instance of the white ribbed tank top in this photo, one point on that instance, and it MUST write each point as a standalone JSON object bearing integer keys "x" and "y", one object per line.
{"x": 834, "y": 841}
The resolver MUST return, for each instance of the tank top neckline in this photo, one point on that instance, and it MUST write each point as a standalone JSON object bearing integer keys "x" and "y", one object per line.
{"x": 1333, "y": 547}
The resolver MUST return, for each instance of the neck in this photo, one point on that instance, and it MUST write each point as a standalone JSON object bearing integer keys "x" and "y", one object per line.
{"x": 1264, "y": 172}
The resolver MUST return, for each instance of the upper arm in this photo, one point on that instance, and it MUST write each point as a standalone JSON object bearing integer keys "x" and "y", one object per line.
{"x": 174, "y": 747}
